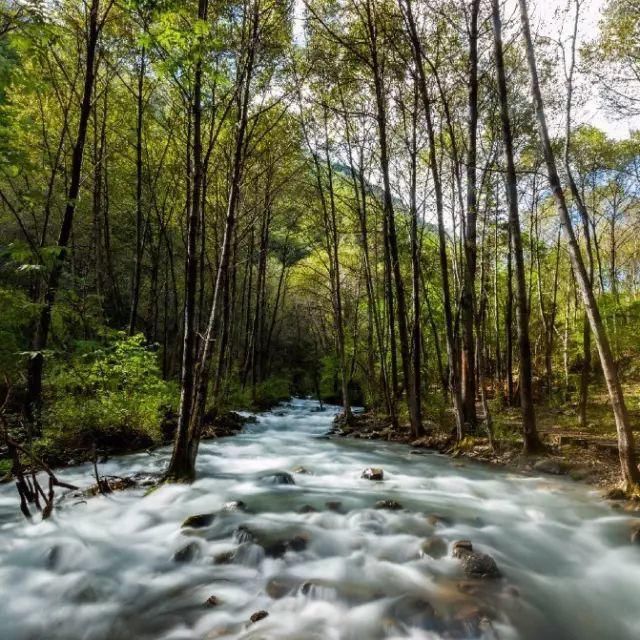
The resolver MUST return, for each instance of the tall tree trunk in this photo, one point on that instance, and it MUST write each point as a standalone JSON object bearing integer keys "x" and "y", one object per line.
{"x": 530, "y": 434}
{"x": 416, "y": 329}
{"x": 181, "y": 467}
{"x": 389, "y": 213}
{"x": 137, "y": 264}
{"x": 39, "y": 342}
{"x": 469, "y": 229}
{"x": 452, "y": 355}
{"x": 630, "y": 472}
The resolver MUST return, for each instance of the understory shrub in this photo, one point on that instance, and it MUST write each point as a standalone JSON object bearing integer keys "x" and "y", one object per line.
{"x": 111, "y": 397}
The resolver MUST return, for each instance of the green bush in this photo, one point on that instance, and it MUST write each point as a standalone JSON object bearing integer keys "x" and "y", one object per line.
{"x": 113, "y": 397}
{"x": 265, "y": 395}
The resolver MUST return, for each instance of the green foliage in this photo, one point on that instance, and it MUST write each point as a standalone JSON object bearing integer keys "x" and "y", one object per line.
{"x": 113, "y": 397}
{"x": 264, "y": 395}
{"x": 15, "y": 319}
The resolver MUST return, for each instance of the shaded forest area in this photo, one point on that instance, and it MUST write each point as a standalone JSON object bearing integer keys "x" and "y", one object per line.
{"x": 215, "y": 205}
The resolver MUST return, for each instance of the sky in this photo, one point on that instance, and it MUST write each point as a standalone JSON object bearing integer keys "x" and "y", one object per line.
{"x": 549, "y": 18}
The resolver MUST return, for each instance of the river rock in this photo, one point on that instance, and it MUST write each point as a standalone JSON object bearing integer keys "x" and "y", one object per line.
{"x": 280, "y": 477}
{"x": 227, "y": 557}
{"x": 475, "y": 564}
{"x": 198, "y": 521}
{"x": 53, "y": 557}
{"x": 391, "y": 505}
{"x": 549, "y": 465}
{"x": 257, "y": 616}
{"x": 244, "y": 534}
{"x": 470, "y": 621}
{"x": 615, "y": 494}
{"x": 279, "y": 587}
{"x": 373, "y": 473}
{"x": 300, "y": 469}
{"x": 436, "y": 519}
{"x": 635, "y": 534}
{"x": 187, "y": 553}
{"x": 212, "y": 601}
{"x": 334, "y": 505}
{"x": 434, "y": 547}
{"x": 413, "y": 611}
{"x": 307, "y": 508}
{"x": 278, "y": 548}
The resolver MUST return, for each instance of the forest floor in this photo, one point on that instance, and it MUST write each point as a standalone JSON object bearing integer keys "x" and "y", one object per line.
{"x": 589, "y": 456}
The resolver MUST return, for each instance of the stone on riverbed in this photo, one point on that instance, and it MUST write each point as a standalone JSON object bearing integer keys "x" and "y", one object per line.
{"x": 257, "y": 616}
{"x": 474, "y": 564}
{"x": 198, "y": 521}
{"x": 373, "y": 473}
{"x": 307, "y": 508}
{"x": 635, "y": 534}
{"x": 434, "y": 547}
{"x": 300, "y": 469}
{"x": 279, "y": 477}
{"x": 212, "y": 601}
{"x": 435, "y": 519}
{"x": 227, "y": 557}
{"x": 187, "y": 553}
{"x": 391, "y": 505}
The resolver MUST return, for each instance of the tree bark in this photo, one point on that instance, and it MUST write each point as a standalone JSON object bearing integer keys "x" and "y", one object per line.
{"x": 530, "y": 434}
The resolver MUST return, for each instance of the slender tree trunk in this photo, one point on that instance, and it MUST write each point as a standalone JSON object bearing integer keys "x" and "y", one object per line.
{"x": 469, "y": 229}
{"x": 40, "y": 339}
{"x": 186, "y": 455}
{"x": 452, "y": 355}
{"x": 630, "y": 472}
{"x": 381, "y": 120}
{"x": 530, "y": 434}
{"x": 181, "y": 468}
{"x": 137, "y": 264}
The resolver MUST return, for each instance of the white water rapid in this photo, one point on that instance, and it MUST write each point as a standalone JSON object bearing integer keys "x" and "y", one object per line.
{"x": 104, "y": 568}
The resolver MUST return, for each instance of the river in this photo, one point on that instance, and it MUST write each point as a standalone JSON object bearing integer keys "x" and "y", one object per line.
{"x": 105, "y": 568}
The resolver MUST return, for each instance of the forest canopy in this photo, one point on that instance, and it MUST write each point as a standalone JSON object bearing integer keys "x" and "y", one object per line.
{"x": 397, "y": 204}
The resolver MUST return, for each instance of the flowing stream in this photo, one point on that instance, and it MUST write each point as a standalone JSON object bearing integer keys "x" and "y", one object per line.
{"x": 105, "y": 568}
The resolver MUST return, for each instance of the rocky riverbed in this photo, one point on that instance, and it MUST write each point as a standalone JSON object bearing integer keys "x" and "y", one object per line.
{"x": 291, "y": 535}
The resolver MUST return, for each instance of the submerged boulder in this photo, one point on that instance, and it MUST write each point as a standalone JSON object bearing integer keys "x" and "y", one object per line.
{"x": 226, "y": 557}
{"x": 475, "y": 564}
{"x": 302, "y": 470}
{"x": 307, "y": 508}
{"x": 258, "y": 615}
{"x": 187, "y": 553}
{"x": 436, "y": 519}
{"x": 373, "y": 473}
{"x": 391, "y": 505}
{"x": 198, "y": 521}
{"x": 409, "y": 610}
{"x": 279, "y": 477}
{"x": 434, "y": 547}
{"x": 212, "y": 601}
{"x": 281, "y": 586}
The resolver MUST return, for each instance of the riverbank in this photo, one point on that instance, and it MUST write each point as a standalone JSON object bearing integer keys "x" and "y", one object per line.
{"x": 565, "y": 455}
{"x": 229, "y": 423}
